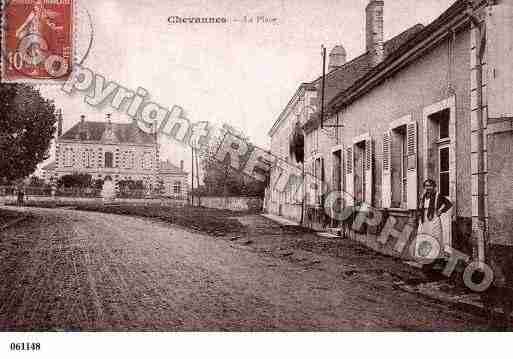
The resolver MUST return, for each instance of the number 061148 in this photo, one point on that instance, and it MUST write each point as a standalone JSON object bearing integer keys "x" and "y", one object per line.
{"x": 25, "y": 346}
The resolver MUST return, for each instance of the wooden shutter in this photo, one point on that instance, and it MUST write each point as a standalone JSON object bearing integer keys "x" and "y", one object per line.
{"x": 386, "y": 184}
{"x": 323, "y": 173}
{"x": 349, "y": 176}
{"x": 412, "y": 178}
{"x": 310, "y": 186}
{"x": 369, "y": 171}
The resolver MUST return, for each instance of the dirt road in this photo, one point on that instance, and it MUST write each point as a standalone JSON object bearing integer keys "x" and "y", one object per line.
{"x": 69, "y": 270}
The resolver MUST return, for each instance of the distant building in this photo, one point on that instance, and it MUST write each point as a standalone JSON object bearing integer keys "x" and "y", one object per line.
{"x": 120, "y": 151}
{"x": 173, "y": 178}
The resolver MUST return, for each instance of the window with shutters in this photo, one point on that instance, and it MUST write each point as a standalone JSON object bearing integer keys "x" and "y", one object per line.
{"x": 441, "y": 161}
{"x": 360, "y": 162}
{"x": 337, "y": 170}
{"x": 399, "y": 167}
{"x": 399, "y": 176}
{"x": 320, "y": 178}
{"x": 349, "y": 182}
{"x": 404, "y": 168}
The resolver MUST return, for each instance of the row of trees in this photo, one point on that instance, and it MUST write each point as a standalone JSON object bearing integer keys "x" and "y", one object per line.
{"x": 27, "y": 126}
{"x": 83, "y": 181}
{"x": 220, "y": 179}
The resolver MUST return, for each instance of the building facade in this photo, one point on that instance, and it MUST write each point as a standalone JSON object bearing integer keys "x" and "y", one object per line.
{"x": 341, "y": 75}
{"x": 119, "y": 151}
{"x": 295, "y": 114}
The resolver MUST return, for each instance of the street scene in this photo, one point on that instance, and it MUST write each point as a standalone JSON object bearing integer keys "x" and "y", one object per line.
{"x": 249, "y": 168}
{"x": 95, "y": 271}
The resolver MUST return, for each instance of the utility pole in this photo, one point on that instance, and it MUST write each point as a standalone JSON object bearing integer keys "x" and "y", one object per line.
{"x": 323, "y": 53}
{"x": 303, "y": 194}
{"x": 197, "y": 178}
{"x": 192, "y": 173}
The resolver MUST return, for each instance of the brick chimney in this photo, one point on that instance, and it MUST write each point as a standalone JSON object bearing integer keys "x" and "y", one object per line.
{"x": 374, "y": 31}
{"x": 337, "y": 57}
{"x": 108, "y": 126}
{"x": 181, "y": 165}
{"x": 84, "y": 135}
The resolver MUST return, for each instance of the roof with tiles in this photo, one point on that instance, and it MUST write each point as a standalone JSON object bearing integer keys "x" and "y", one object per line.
{"x": 166, "y": 167}
{"x": 97, "y": 132}
{"x": 344, "y": 76}
{"x": 336, "y": 95}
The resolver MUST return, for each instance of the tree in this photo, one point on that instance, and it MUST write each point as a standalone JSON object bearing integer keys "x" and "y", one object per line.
{"x": 220, "y": 178}
{"x": 130, "y": 185}
{"x": 159, "y": 187}
{"x": 36, "y": 182}
{"x": 82, "y": 180}
{"x": 27, "y": 126}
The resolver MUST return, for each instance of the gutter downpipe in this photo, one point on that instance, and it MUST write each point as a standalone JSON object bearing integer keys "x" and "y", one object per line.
{"x": 479, "y": 231}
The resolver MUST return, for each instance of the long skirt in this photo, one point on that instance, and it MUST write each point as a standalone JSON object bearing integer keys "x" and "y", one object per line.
{"x": 429, "y": 242}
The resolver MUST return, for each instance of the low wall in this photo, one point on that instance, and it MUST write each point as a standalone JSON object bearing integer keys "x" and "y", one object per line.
{"x": 285, "y": 210}
{"x": 291, "y": 211}
{"x": 71, "y": 200}
{"x": 238, "y": 204}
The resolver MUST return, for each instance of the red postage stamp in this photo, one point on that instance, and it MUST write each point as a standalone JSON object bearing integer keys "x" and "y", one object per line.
{"x": 37, "y": 40}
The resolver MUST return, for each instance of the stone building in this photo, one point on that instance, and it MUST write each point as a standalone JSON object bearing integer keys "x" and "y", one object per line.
{"x": 437, "y": 105}
{"x": 305, "y": 103}
{"x": 120, "y": 151}
{"x": 298, "y": 110}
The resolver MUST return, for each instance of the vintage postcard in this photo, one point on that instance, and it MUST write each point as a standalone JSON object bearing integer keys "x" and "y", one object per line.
{"x": 255, "y": 166}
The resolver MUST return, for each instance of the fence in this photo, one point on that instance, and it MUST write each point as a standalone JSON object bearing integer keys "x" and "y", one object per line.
{"x": 75, "y": 192}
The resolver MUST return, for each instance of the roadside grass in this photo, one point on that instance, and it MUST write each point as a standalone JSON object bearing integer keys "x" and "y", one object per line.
{"x": 212, "y": 221}
{"x": 7, "y": 216}
{"x": 215, "y": 222}
{"x": 46, "y": 204}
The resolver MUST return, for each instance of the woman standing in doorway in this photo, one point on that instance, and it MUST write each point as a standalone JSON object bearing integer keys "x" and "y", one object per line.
{"x": 431, "y": 206}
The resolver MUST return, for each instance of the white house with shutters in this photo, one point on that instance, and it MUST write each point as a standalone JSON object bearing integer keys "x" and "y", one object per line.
{"x": 433, "y": 102}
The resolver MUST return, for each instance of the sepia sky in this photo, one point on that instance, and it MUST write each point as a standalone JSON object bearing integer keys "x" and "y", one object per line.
{"x": 242, "y": 74}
